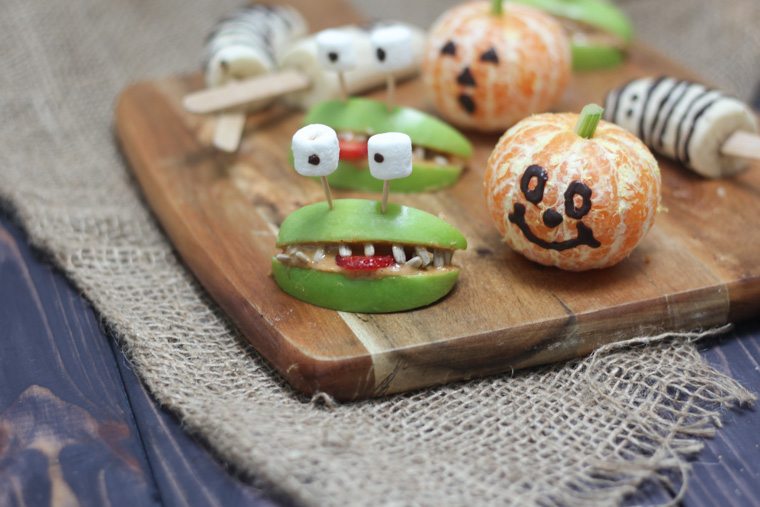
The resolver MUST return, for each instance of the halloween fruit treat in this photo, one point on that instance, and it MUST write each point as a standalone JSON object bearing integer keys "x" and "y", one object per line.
{"x": 440, "y": 152}
{"x": 246, "y": 44}
{"x": 599, "y": 32}
{"x": 249, "y": 41}
{"x": 487, "y": 65}
{"x": 702, "y": 128}
{"x": 567, "y": 191}
{"x": 361, "y": 255}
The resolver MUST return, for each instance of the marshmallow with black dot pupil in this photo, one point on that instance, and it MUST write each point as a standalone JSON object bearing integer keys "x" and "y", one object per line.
{"x": 390, "y": 156}
{"x": 391, "y": 45}
{"x": 315, "y": 150}
{"x": 336, "y": 50}
{"x": 303, "y": 57}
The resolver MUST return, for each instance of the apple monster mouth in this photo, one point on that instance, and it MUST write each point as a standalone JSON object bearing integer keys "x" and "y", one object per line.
{"x": 585, "y": 234}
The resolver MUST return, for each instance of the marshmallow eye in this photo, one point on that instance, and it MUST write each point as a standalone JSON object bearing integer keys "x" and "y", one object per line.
{"x": 336, "y": 50}
{"x": 315, "y": 150}
{"x": 390, "y": 155}
{"x": 391, "y": 45}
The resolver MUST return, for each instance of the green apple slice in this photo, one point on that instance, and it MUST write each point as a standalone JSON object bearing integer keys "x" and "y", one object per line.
{"x": 599, "y": 31}
{"x": 369, "y": 117}
{"x": 397, "y": 287}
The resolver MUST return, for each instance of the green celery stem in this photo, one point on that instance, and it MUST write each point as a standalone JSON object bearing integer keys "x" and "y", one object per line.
{"x": 497, "y": 8}
{"x": 588, "y": 121}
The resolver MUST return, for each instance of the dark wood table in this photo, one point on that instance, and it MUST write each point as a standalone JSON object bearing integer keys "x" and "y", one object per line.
{"x": 77, "y": 424}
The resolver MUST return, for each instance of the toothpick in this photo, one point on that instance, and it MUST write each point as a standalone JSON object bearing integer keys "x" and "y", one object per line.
{"x": 343, "y": 86}
{"x": 391, "y": 96}
{"x": 742, "y": 145}
{"x": 386, "y": 189}
{"x": 328, "y": 193}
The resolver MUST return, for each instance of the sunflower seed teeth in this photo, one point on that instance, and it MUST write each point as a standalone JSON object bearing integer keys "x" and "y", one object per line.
{"x": 344, "y": 251}
{"x": 398, "y": 254}
{"x": 441, "y": 160}
{"x": 423, "y": 254}
{"x": 438, "y": 259}
{"x": 369, "y": 249}
{"x": 302, "y": 257}
{"x": 319, "y": 254}
{"x": 419, "y": 152}
{"x": 282, "y": 257}
{"x": 447, "y": 255}
{"x": 414, "y": 262}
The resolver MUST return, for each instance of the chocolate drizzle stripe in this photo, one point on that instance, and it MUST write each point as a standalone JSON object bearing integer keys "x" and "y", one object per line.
{"x": 668, "y": 116}
{"x": 645, "y": 104}
{"x": 682, "y": 121}
{"x": 616, "y": 107}
{"x": 660, "y": 106}
{"x": 686, "y": 157}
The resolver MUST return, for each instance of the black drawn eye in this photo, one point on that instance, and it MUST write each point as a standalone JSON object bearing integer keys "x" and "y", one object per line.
{"x": 449, "y": 49}
{"x": 490, "y": 56}
{"x": 539, "y": 174}
{"x": 577, "y": 189}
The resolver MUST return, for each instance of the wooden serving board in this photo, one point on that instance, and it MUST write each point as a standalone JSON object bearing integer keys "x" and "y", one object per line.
{"x": 698, "y": 267}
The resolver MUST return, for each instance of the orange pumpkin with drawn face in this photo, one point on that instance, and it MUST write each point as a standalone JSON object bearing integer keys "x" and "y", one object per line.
{"x": 486, "y": 71}
{"x": 567, "y": 201}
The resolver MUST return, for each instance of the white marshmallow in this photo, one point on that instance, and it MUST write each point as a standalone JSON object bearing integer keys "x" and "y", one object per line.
{"x": 336, "y": 50}
{"x": 392, "y": 45}
{"x": 315, "y": 150}
{"x": 390, "y": 156}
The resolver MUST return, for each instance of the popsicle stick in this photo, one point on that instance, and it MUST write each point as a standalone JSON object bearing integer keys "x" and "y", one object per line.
{"x": 239, "y": 93}
{"x": 229, "y": 131}
{"x": 742, "y": 145}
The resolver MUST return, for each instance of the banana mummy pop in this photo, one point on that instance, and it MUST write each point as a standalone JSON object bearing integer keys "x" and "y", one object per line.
{"x": 697, "y": 126}
{"x": 246, "y": 44}
{"x": 249, "y": 41}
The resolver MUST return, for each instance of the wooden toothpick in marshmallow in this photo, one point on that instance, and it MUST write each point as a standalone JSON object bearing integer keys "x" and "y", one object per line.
{"x": 316, "y": 153}
{"x": 390, "y": 158}
{"x": 336, "y": 51}
{"x": 393, "y": 51}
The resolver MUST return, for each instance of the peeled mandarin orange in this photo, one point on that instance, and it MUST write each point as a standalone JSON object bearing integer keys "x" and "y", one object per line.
{"x": 564, "y": 200}
{"x": 486, "y": 70}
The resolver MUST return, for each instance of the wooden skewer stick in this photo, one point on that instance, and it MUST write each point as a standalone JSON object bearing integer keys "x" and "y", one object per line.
{"x": 239, "y": 93}
{"x": 328, "y": 193}
{"x": 391, "y": 96}
{"x": 229, "y": 131}
{"x": 742, "y": 145}
{"x": 386, "y": 190}
{"x": 343, "y": 86}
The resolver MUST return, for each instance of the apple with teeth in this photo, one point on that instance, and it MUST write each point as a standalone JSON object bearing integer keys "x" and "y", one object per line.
{"x": 599, "y": 31}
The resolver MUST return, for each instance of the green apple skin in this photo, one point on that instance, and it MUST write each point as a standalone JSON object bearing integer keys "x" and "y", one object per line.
{"x": 361, "y": 220}
{"x": 370, "y": 117}
{"x": 363, "y": 295}
{"x": 600, "y": 14}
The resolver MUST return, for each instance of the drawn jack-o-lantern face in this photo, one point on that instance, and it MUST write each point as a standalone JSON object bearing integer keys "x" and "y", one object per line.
{"x": 570, "y": 202}
{"x": 486, "y": 72}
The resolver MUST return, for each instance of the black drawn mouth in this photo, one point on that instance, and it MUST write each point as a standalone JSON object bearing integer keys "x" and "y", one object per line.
{"x": 585, "y": 234}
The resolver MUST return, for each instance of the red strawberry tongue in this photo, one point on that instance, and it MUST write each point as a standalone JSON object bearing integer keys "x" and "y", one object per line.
{"x": 353, "y": 150}
{"x": 364, "y": 263}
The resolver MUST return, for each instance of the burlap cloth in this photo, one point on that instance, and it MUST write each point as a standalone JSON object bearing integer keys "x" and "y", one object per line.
{"x": 589, "y": 431}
